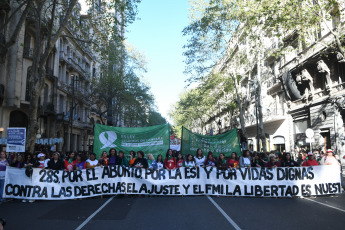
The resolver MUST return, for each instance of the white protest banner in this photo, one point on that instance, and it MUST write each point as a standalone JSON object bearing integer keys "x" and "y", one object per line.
{"x": 255, "y": 182}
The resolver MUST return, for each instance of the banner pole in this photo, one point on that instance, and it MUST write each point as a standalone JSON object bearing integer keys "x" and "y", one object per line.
{"x": 181, "y": 140}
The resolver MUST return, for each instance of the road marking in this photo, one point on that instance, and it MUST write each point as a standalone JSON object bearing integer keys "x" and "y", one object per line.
{"x": 94, "y": 214}
{"x": 327, "y": 205}
{"x": 224, "y": 214}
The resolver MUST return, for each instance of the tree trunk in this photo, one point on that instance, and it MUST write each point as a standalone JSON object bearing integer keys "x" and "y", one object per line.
{"x": 259, "y": 107}
{"x": 238, "y": 99}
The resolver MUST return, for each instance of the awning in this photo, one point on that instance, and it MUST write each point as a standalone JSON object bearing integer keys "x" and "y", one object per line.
{"x": 279, "y": 140}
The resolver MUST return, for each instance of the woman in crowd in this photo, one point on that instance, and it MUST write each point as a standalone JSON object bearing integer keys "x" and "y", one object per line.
{"x": 70, "y": 162}
{"x": 140, "y": 162}
{"x": 104, "y": 160}
{"x": 189, "y": 162}
{"x": 233, "y": 161}
{"x": 56, "y": 163}
{"x": 299, "y": 159}
{"x": 80, "y": 162}
{"x": 287, "y": 161}
{"x": 132, "y": 155}
{"x": 245, "y": 159}
{"x": 112, "y": 156}
{"x": 210, "y": 161}
{"x": 272, "y": 161}
{"x": 329, "y": 159}
{"x": 160, "y": 163}
{"x": 257, "y": 162}
{"x": 122, "y": 160}
{"x": 222, "y": 163}
{"x": 3, "y": 165}
{"x": 199, "y": 158}
{"x": 170, "y": 161}
{"x": 310, "y": 161}
{"x": 29, "y": 161}
{"x": 92, "y": 161}
{"x": 18, "y": 161}
{"x": 179, "y": 160}
{"x": 151, "y": 162}
{"x": 43, "y": 162}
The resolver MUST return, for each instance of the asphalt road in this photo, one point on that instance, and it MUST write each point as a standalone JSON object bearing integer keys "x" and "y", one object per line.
{"x": 192, "y": 212}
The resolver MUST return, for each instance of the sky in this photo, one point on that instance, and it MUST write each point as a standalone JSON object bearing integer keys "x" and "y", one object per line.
{"x": 158, "y": 34}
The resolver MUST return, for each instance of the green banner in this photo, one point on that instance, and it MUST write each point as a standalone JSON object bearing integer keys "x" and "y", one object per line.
{"x": 154, "y": 139}
{"x": 224, "y": 143}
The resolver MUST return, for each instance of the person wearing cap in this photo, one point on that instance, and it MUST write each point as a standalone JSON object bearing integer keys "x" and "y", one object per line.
{"x": 329, "y": 159}
{"x": 56, "y": 163}
{"x": 310, "y": 161}
{"x": 272, "y": 163}
{"x": 43, "y": 162}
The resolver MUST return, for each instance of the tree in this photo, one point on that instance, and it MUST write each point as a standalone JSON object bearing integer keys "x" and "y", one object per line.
{"x": 16, "y": 18}
{"x": 49, "y": 19}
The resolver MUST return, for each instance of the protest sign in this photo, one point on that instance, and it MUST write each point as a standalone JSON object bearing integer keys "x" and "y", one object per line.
{"x": 224, "y": 143}
{"x": 154, "y": 139}
{"x": 16, "y": 138}
{"x": 254, "y": 182}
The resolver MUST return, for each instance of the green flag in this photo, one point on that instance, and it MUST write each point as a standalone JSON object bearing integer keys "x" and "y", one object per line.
{"x": 154, "y": 139}
{"x": 224, "y": 143}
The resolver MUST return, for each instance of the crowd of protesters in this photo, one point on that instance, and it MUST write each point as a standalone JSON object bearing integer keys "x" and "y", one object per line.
{"x": 171, "y": 160}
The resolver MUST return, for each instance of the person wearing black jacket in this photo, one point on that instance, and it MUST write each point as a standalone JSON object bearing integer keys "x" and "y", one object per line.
{"x": 257, "y": 162}
{"x": 18, "y": 161}
{"x": 288, "y": 162}
{"x": 56, "y": 163}
{"x": 140, "y": 162}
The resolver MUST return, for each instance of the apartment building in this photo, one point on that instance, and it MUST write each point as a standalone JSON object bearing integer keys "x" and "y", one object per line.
{"x": 66, "y": 112}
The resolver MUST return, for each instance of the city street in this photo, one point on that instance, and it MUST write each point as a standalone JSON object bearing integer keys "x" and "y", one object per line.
{"x": 193, "y": 212}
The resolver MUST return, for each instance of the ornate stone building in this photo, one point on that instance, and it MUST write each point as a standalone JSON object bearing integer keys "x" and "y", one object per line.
{"x": 66, "y": 113}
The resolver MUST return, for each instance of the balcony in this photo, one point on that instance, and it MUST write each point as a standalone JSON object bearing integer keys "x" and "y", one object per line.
{"x": 271, "y": 50}
{"x": 62, "y": 56}
{"x": 28, "y": 53}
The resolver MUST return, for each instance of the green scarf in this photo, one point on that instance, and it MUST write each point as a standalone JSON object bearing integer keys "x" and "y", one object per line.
{"x": 70, "y": 160}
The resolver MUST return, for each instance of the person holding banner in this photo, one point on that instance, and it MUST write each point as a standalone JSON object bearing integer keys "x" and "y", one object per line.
{"x": 210, "y": 161}
{"x": 140, "y": 162}
{"x": 121, "y": 159}
{"x": 287, "y": 161}
{"x": 170, "y": 161}
{"x": 310, "y": 161}
{"x": 160, "y": 163}
{"x": 222, "y": 163}
{"x": 179, "y": 160}
{"x": 199, "y": 158}
{"x": 56, "y": 163}
{"x": 257, "y": 162}
{"x": 104, "y": 160}
{"x": 272, "y": 163}
{"x": 92, "y": 162}
{"x": 43, "y": 162}
{"x": 80, "y": 163}
{"x": 329, "y": 159}
{"x": 3, "y": 165}
{"x": 190, "y": 162}
{"x": 18, "y": 161}
{"x": 151, "y": 162}
{"x": 233, "y": 161}
{"x": 245, "y": 159}
{"x": 112, "y": 156}
{"x": 132, "y": 155}
{"x": 70, "y": 162}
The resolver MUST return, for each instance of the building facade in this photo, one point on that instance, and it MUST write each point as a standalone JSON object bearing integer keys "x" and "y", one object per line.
{"x": 65, "y": 114}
